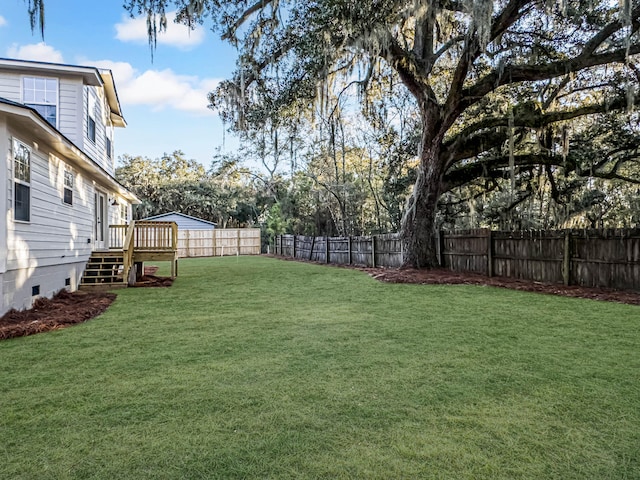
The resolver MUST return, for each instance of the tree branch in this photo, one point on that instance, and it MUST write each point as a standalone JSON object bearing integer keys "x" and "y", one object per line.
{"x": 509, "y": 15}
{"x": 527, "y": 116}
{"x": 496, "y": 167}
{"x": 410, "y": 73}
{"x": 244, "y": 16}
{"x": 520, "y": 73}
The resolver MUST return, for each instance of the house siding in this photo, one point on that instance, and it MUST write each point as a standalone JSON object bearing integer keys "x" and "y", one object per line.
{"x": 97, "y": 150}
{"x": 57, "y": 241}
{"x": 16, "y": 285}
{"x": 4, "y": 149}
{"x": 56, "y": 233}
{"x": 70, "y": 106}
{"x": 69, "y": 94}
{"x": 10, "y": 87}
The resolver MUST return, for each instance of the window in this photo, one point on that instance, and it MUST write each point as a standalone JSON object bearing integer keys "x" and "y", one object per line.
{"x": 68, "y": 187}
{"x": 109, "y": 148}
{"x": 91, "y": 116}
{"x": 22, "y": 182}
{"x": 41, "y": 94}
{"x": 124, "y": 212}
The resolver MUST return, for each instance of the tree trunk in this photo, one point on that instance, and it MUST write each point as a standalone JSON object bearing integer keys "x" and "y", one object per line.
{"x": 418, "y": 222}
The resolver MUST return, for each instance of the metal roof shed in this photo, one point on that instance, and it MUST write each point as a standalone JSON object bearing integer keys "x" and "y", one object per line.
{"x": 184, "y": 222}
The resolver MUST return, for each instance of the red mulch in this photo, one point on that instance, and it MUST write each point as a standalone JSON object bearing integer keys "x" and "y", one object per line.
{"x": 61, "y": 311}
{"x": 67, "y": 308}
{"x": 153, "y": 281}
{"x": 442, "y": 276}
{"x": 148, "y": 279}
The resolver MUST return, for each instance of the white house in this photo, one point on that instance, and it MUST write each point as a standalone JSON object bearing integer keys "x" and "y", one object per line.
{"x": 58, "y": 190}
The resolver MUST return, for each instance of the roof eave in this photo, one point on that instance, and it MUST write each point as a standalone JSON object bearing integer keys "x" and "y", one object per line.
{"x": 112, "y": 98}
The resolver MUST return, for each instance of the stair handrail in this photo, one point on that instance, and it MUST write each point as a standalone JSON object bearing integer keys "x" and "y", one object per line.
{"x": 127, "y": 251}
{"x": 174, "y": 236}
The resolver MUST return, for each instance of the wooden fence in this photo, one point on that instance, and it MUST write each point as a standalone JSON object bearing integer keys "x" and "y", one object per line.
{"x": 593, "y": 258}
{"x": 219, "y": 242}
{"x": 378, "y": 250}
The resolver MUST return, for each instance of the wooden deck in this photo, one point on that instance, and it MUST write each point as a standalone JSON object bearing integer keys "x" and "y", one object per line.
{"x": 148, "y": 241}
{"x": 129, "y": 247}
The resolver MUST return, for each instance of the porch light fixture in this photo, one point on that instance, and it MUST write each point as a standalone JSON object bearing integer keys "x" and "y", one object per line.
{"x": 115, "y": 202}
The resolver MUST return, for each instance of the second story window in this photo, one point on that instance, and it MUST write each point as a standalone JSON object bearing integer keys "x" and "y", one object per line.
{"x": 41, "y": 94}
{"x": 109, "y": 148}
{"x": 68, "y": 187}
{"x": 91, "y": 117}
{"x": 22, "y": 182}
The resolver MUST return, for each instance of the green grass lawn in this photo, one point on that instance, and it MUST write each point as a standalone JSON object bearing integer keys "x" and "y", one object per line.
{"x": 252, "y": 367}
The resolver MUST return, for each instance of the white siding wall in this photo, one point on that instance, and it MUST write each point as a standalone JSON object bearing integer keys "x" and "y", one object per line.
{"x": 57, "y": 232}
{"x": 10, "y": 87}
{"x": 70, "y": 108}
{"x": 57, "y": 239}
{"x": 16, "y": 285}
{"x": 97, "y": 150}
{"x": 4, "y": 160}
{"x": 69, "y": 101}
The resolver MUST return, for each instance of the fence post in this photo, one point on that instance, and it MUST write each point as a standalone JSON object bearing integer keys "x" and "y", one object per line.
{"x": 566, "y": 258}
{"x": 326, "y": 249}
{"x": 373, "y": 251}
{"x": 349, "y": 246}
{"x": 441, "y": 247}
{"x": 489, "y": 253}
{"x": 294, "y": 245}
{"x": 238, "y": 242}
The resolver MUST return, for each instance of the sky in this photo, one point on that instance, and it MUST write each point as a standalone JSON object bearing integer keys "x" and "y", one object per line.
{"x": 163, "y": 99}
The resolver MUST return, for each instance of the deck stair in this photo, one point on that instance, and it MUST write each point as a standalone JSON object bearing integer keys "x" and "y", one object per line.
{"x": 104, "y": 270}
{"x": 130, "y": 246}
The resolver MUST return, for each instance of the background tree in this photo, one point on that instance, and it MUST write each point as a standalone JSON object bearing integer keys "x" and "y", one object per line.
{"x": 172, "y": 183}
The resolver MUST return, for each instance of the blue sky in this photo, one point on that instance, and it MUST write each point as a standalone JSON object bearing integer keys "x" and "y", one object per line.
{"x": 163, "y": 99}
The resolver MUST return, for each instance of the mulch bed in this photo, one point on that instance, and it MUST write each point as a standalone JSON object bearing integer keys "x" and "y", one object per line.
{"x": 153, "y": 281}
{"x": 447, "y": 277}
{"x": 61, "y": 311}
{"x": 67, "y": 308}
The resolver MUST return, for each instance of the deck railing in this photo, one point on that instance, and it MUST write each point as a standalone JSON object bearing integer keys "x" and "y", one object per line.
{"x": 147, "y": 236}
{"x": 156, "y": 236}
{"x": 116, "y": 236}
{"x": 145, "y": 240}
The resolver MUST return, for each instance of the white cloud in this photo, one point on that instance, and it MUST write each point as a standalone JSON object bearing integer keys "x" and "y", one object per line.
{"x": 159, "y": 89}
{"x": 176, "y": 35}
{"x": 40, "y": 52}
{"x": 3, "y": 21}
